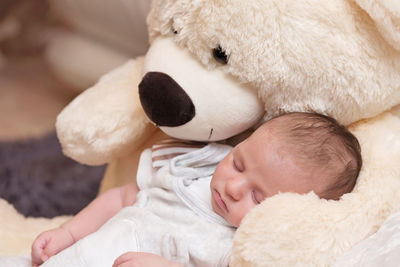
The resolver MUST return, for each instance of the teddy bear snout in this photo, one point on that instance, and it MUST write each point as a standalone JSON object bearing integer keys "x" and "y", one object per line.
{"x": 164, "y": 100}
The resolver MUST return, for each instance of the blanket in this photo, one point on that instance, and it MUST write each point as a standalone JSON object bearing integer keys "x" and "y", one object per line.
{"x": 382, "y": 247}
{"x": 40, "y": 181}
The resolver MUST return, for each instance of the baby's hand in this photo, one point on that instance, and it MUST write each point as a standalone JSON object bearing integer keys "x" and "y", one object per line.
{"x": 139, "y": 259}
{"x": 50, "y": 243}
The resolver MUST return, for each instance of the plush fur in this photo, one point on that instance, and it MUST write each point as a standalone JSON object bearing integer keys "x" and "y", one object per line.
{"x": 338, "y": 57}
{"x": 18, "y": 232}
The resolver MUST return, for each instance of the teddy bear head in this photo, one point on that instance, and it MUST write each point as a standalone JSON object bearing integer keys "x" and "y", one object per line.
{"x": 208, "y": 59}
{"x": 215, "y": 68}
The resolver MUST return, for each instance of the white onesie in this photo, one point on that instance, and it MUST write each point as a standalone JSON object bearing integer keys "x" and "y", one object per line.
{"x": 172, "y": 216}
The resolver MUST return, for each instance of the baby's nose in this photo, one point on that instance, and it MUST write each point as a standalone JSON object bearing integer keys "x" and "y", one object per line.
{"x": 236, "y": 187}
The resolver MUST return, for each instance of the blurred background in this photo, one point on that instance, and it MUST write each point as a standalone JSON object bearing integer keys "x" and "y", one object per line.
{"x": 50, "y": 51}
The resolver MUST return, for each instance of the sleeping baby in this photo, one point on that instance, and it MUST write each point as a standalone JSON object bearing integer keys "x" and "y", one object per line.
{"x": 189, "y": 198}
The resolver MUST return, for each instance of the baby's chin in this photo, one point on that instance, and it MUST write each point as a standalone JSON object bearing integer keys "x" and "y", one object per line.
{"x": 223, "y": 215}
{"x": 235, "y": 224}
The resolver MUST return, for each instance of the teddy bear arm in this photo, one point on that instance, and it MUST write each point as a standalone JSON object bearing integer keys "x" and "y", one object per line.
{"x": 386, "y": 16}
{"x": 106, "y": 121}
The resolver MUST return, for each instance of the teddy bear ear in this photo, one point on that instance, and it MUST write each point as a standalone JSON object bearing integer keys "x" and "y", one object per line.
{"x": 159, "y": 13}
{"x": 386, "y": 15}
{"x": 153, "y": 21}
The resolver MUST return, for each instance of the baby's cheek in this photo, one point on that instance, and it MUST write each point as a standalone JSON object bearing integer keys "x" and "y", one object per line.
{"x": 246, "y": 210}
{"x": 238, "y": 216}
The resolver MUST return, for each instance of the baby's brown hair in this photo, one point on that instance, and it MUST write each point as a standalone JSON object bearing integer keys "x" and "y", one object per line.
{"x": 321, "y": 144}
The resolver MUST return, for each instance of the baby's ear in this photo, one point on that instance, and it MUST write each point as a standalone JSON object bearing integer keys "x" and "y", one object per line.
{"x": 386, "y": 16}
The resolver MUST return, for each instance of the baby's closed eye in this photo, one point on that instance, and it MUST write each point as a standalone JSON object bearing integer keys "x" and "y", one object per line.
{"x": 257, "y": 197}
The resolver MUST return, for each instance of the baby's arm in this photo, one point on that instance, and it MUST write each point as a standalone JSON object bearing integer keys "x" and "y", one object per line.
{"x": 87, "y": 221}
{"x": 100, "y": 210}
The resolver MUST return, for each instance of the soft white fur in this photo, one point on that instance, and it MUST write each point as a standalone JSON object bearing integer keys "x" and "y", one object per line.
{"x": 116, "y": 123}
{"x": 18, "y": 232}
{"x": 338, "y": 57}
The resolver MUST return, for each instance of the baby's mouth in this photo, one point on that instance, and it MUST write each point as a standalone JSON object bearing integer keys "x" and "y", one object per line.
{"x": 220, "y": 202}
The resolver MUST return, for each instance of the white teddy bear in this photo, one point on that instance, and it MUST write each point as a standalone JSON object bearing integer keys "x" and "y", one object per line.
{"x": 207, "y": 62}
{"x": 215, "y": 68}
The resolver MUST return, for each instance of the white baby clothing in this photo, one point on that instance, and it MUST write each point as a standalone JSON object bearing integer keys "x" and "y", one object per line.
{"x": 172, "y": 216}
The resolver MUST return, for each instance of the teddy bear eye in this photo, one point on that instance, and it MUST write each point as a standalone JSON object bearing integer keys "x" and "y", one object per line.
{"x": 173, "y": 30}
{"x": 220, "y": 55}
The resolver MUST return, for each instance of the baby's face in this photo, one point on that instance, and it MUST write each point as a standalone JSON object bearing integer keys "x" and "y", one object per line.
{"x": 255, "y": 169}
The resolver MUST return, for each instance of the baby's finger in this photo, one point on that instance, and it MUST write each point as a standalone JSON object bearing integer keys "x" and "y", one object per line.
{"x": 126, "y": 264}
{"x": 35, "y": 259}
{"x": 37, "y": 250}
{"x": 123, "y": 258}
{"x": 50, "y": 250}
{"x": 35, "y": 255}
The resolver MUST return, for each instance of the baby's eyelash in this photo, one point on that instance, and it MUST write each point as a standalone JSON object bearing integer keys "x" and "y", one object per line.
{"x": 236, "y": 166}
{"x": 254, "y": 197}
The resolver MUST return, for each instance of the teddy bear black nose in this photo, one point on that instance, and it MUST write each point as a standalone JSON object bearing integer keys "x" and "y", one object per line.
{"x": 164, "y": 100}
